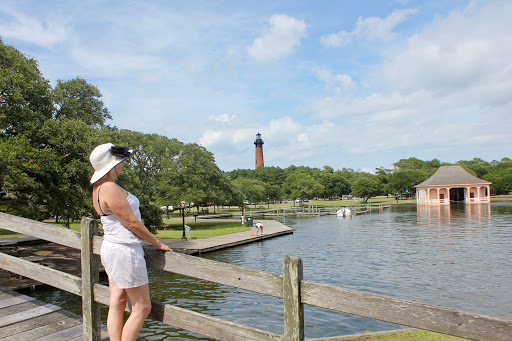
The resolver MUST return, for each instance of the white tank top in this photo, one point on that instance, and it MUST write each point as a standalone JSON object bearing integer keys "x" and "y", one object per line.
{"x": 116, "y": 232}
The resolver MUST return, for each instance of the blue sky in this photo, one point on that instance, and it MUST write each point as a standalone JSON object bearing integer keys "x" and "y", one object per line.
{"x": 348, "y": 84}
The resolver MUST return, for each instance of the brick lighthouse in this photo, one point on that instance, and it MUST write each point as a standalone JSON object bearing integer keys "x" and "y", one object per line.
{"x": 259, "y": 151}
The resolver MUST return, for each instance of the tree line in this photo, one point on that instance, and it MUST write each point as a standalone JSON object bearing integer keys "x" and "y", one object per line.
{"x": 48, "y": 133}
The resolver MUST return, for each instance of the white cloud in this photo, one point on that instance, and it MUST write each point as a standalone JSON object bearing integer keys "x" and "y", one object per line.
{"x": 210, "y": 138}
{"x": 223, "y": 118}
{"x": 44, "y": 32}
{"x": 341, "y": 38}
{"x": 456, "y": 55}
{"x": 443, "y": 87}
{"x": 372, "y": 28}
{"x": 340, "y": 83}
{"x": 279, "y": 40}
{"x": 285, "y": 140}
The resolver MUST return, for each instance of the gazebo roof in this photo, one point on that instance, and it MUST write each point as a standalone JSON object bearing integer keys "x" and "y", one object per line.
{"x": 452, "y": 175}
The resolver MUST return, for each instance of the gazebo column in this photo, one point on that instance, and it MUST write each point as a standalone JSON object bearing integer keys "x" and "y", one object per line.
{"x": 488, "y": 194}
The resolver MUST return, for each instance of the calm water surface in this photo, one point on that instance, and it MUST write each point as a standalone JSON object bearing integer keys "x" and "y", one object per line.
{"x": 458, "y": 257}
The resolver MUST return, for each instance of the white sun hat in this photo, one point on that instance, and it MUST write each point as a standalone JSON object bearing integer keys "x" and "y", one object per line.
{"x": 105, "y": 157}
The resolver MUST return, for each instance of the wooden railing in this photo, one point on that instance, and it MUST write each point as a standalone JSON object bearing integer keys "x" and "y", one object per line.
{"x": 290, "y": 287}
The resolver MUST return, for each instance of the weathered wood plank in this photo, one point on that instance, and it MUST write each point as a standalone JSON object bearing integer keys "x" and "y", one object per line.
{"x": 293, "y": 308}
{"x": 28, "y": 314}
{"x": 52, "y": 233}
{"x": 15, "y": 300}
{"x": 58, "y": 279}
{"x": 65, "y": 334}
{"x": 218, "y": 272}
{"x": 407, "y": 313}
{"x": 48, "y": 328}
{"x": 96, "y": 244}
{"x": 13, "y": 309}
{"x": 195, "y": 322}
{"x": 29, "y": 329}
{"x": 101, "y": 293}
{"x": 90, "y": 276}
{"x": 104, "y": 336}
{"x": 6, "y": 293}
{"x": 3, "y": 296}
{"x": 207, "y": 325}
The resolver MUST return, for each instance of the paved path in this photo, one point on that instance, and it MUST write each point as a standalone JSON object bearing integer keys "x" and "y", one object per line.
{"x": 271, "y": 229}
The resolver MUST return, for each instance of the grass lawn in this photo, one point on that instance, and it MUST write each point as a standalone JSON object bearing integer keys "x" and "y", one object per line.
{"x": 9, "y": 234}
{"x": 315, "y": 203}
{"x": 199, "y": 230}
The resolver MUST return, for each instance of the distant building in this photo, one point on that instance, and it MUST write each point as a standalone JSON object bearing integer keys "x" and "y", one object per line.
{"x": 259, "y": 151}
{"x": 452, "y": 184}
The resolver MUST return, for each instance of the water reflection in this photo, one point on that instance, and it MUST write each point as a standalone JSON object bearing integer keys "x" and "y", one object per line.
{"x": 475, "y": 215}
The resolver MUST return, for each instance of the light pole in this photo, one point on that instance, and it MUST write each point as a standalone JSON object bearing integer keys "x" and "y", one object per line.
{"x": 182, "y": 207}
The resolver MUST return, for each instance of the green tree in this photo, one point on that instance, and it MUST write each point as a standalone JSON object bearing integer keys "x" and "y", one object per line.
{"x": 476, "y": 166}
{"x": 417, "y": 164}
{"x": 299, "y": 184}
{"x": 151, "y": 172}
{"x": 272, "y": 192}
{"x": 501, "y": 177}
{"x": 22, "y": 188}
{"x": 25, "y": 96}
{"x": 76, "y": 99}
{"x": 25, "y": 106}
{"x": 335, "y": 185}
{"x": 251, "y": 189}
{"x": 404, "y": 181}
{"x": 66, "y": 170}
{"x": 201, "y": 181}
{"x": 366, "y": 186}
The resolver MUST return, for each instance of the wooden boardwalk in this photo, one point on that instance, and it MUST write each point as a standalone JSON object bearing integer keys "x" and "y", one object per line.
{"x": 271, "y": 229}
{"x": 25, "y": 318}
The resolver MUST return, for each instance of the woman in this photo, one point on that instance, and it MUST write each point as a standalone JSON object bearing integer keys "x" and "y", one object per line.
{"x": 121, "y": 251}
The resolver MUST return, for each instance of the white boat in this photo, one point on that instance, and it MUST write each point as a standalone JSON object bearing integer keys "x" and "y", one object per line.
{"x": 343, "y": 212}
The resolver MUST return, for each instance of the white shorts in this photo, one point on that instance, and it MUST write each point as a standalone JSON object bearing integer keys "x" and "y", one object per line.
{"x": 124, "y": 264}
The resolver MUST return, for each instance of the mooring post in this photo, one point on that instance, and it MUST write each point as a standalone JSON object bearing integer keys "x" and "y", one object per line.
{"x": 90, "y": 276}
{"x": 293, "y": 307}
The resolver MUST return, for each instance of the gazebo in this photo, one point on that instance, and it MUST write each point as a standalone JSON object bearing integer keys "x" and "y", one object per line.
{"x": 452, "y": 184}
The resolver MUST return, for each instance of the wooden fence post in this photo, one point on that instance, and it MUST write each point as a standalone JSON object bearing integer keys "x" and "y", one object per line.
{"x": 90, "y": 275}
{"x": 293, "y": 308}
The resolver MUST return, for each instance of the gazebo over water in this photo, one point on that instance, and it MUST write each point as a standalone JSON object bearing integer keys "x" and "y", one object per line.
{"x": 452, "y": 184}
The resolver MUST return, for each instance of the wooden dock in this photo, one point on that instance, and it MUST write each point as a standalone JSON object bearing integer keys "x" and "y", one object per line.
{"x": 271, "y": 229}
{"x": 25, "y": 318}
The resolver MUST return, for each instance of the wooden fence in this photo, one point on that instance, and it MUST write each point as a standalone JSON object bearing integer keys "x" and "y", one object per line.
{"x": 289, "y": 286}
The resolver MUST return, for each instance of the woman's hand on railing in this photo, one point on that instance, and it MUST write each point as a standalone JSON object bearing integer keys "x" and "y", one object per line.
{"x": 163, "y": 247}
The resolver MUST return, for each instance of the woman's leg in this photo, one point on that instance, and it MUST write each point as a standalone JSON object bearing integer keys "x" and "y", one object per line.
{"x": 117, "y": 305}
{"x": 141, "y": 307}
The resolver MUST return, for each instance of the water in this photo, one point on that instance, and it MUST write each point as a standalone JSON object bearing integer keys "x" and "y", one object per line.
{"x": 456, "y": 257}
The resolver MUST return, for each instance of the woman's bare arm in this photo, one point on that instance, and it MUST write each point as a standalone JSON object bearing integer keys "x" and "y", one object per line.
{"x": 115, "y": 198}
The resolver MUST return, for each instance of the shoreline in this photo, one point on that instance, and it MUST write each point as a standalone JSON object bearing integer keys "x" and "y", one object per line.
{"x": 67, "y": 259}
